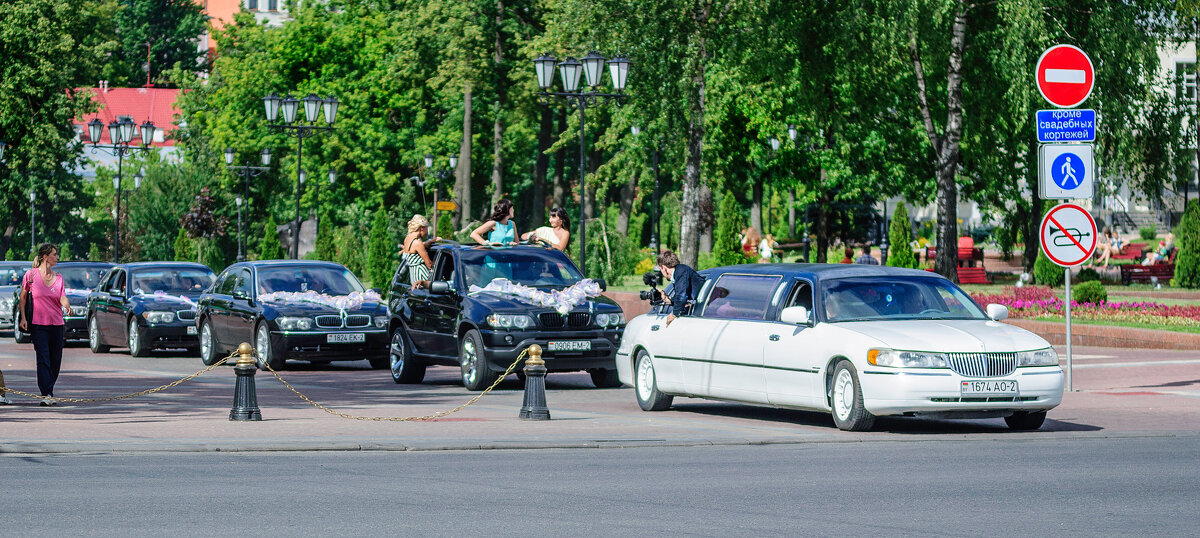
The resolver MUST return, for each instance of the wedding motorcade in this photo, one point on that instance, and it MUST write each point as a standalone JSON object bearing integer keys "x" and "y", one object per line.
{"x": 857, "y": 341}
{"x": 146, "y": 306}
{"x": 484, "y": 305}
{"x": 292, "y": 309}
{"x": 78, "y": 278}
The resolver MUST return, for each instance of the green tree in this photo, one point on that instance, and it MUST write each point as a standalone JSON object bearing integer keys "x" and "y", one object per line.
{"x": 324, "y": 248}
{"x": 155, "y": 36}
{"x": 185, "y": 247}
{"x": 899, "y": 239}
{"x": 270, "y": 248}
{"x": 380, "y": 262}
{"x": 1187, "y": 262}
{"x": 726, "y": 248}
{"x": 445, "y": 228}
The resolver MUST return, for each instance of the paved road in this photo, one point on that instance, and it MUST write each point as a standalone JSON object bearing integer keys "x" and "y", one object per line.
{"x": 978, "y": 487}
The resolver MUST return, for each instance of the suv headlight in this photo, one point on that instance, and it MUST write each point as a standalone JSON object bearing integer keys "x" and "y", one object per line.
{"x": 906, "y": 359}
{"x": 1041, "y": 357}
{"x": 154, "y": 316}
{"x": 381, "y": 322}
{"x": 294, "y": 324}
{"x": 505, "y": 321}
{"x": 80, "y": 311}
{"x": 610, "y": 320}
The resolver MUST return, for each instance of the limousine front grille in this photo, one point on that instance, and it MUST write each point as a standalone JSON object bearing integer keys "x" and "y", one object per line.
{"x": 982, "y": 364}
{"x": 329, "y": 322}
{"x": 186, "y": 315}
{"x": 554, "y": 320}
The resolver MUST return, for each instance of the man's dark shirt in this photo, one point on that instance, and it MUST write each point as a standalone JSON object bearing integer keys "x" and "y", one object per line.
{"x": 685, "y": 288}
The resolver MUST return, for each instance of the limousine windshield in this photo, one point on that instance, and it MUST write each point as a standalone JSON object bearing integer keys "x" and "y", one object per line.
{"x": 869, "y": 299}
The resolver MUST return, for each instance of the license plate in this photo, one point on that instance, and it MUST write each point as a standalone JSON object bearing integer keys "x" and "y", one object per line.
{"x": 990, "y": 387}
{"x": 570, "y": 345}
{"x": 191, "y": 329}
{"x": 343, "y": 338}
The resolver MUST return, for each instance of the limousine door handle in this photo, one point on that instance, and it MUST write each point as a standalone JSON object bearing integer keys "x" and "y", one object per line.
{"x": 774, "y": 337}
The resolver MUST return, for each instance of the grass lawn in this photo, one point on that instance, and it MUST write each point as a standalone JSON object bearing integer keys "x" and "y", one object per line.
{"x": 1074, "y": 321}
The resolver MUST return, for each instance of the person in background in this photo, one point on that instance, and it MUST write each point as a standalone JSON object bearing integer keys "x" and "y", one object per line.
{"x": 415, "y": 251}
{"x": 500, "y": 227}
{"x": 849, "y": 253}
{"x": 750, "y": 240}
{"x": 45, "y": 288}
{"x": 867, "y": 258}
{"x": 685, "y": 284}
{"x": 1162, "y": 252}
{"x": 766, "y": 249}
{"x": 558, "y": 234}
{"x": 1107, "y": 248}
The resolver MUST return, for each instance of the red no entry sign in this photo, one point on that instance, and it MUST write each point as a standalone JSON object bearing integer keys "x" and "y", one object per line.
{"x": 1065, "y": 76}
{"x": 1068, "y": 235}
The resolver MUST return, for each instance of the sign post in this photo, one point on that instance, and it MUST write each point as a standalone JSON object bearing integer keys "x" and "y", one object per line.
{"x": 1068, "y": 236}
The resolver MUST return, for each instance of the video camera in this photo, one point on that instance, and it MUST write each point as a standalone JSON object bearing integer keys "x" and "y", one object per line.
{"x": 654, "y": 279}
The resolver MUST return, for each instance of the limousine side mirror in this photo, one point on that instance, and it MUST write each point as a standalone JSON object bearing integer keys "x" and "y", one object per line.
{"x": 997, "y": 312}
{"x": 439, "y": 287}
{"x": 602, "y": 283}
{"x": 795, "y": 314}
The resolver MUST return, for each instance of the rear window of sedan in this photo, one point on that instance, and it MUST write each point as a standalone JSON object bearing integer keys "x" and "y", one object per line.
{"x": 870, "y": 299}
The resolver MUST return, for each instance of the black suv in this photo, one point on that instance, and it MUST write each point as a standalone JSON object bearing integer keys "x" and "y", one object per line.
{"x": 483, "y": 332}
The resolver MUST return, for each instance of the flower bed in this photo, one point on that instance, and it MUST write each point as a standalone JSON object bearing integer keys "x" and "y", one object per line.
{"x": 1040, "y": 302}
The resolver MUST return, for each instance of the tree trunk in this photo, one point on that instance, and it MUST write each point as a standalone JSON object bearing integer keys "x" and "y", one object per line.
{"x": 689, "y": 225}
{"x": 625, "y": 207}
{"x": 791, "y": 212}
{"x": 537, "y": 214}
{"x": 498, "y": 123}
{"x": 462, "y": 175}
{"x": 560, "y": 179}
{"x": 945, "y": 145}
{"x": 706, "y": 219}
{"x": 756, "y": 203}
{"x": 593, "y": 163}
{"x": 822, "y": 224}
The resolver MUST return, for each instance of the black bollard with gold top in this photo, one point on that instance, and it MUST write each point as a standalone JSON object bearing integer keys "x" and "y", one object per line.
{"x": 245, "y": 397}
{"x": 534, "y": 407}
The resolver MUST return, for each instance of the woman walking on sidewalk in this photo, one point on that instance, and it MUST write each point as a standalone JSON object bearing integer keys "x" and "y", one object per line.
{"x": 48, "y": 294}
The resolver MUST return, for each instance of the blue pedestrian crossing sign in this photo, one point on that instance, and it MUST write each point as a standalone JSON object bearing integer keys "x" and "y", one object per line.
{"x": 1066, "y": 171}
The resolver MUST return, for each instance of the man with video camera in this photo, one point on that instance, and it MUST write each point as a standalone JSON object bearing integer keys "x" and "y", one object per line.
{"x": 685, "y": 284}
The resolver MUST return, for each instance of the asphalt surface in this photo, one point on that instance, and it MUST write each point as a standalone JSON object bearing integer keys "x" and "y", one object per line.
{"x": 1121, "y": 393}
{"x": 929, "y": 486}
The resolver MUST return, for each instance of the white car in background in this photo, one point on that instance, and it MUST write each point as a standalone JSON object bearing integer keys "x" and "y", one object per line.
{"x": 857, "y": 341}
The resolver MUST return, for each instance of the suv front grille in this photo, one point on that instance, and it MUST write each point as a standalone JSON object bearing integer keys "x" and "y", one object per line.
{"x": 329, "y": 322}
{"x": 554, "y": 320}
{"x": 982, "y": 364}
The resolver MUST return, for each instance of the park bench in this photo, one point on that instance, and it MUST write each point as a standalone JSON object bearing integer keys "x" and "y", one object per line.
{"x": 973, "y": 275}
{"x": 1131, "y": 252}
{"x": 966, "y": 256}
{"x": 1163, "y": 272}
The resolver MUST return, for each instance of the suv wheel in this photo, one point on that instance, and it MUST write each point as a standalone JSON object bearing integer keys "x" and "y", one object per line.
{"x": 406, "y": 369}
{"x": 476, "y": 374}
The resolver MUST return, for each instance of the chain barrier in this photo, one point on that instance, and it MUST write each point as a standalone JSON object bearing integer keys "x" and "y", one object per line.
{"x": 160, "y": 388}
{"x": 430, "y": 416}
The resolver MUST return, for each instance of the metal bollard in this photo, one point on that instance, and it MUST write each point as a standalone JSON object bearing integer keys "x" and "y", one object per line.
{"x": 245, "y": 396}
{"x": 534, "y": 407}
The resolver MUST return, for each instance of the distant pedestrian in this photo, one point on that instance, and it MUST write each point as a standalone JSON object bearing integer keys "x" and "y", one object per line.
{"x": 867, "y": 258}
{"x": 48, "y": 294}
{"x": 500, "y": 228}
{"x": 766, "y": 248}
{"x": 849, "y": 256}
{"x": 415, "y": 251}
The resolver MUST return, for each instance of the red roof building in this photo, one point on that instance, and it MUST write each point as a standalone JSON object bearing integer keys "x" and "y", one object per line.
{"x": 141, "y": 104}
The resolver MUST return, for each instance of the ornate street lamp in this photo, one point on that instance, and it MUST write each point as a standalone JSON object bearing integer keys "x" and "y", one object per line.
{"x": 120, "y": 134}
{"x": 288, "y": 106}
{"x": 591, "y": 67}
{"x": 247, "y": 171}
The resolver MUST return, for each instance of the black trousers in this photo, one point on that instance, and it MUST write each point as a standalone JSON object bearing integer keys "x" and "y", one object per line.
{"x": 48, "y": 344}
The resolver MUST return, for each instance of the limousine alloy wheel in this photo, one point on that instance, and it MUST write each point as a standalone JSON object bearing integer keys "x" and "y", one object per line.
{"x": 846, "y": 393}
{"x": 208, "y": 354}
{"x": 646, "y": 385}
{"x": 406, "y": 369}
{"x": 476, "y": 374}
{"x": 94, "y": 336}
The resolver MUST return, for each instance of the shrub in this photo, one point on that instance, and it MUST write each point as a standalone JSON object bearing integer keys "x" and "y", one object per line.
{"x": 1148, "y": 233}
{"x": 1046, "y": 272}
{"x": 445, "y": 227}
{"x": 1086, "y": 275}
{"x": 1187, "y": 262}
{"x": 609, "y": 261}
{"x": 900, "y": 237}
{"x": 1091, "y": 291}
{"x": 324, "y": 248}
{"x": 379, "y": 251}
{"x": 270, "y": 248}
{"x": 727, "y": 250}
{"x": 1006, "y": 239}
{"x": 645, "y": 265}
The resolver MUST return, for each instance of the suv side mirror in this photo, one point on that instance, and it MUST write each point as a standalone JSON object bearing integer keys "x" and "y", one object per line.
{"x": 439, "y": 287}
{"x": 997, "y": 312}
{"x": 795, "y": 314}
{"x": 602, "y": 283}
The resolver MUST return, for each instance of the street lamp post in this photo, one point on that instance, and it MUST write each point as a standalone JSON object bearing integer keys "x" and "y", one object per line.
{"x": 637, "y": 130}
{"x": 304, "y": 129}
{"x": 438, "y": 175}
{"x": 246, "y": 171}
{"x": 120, "y": 133}
{"x": 569, "y": 70}
{"x": 137, "y": 184}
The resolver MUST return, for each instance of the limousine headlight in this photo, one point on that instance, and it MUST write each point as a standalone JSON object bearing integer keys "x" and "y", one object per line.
{"x": 906, "y": 359}
{"x": 1041, "y": 357}
{"x": 155, "y": 316}
{"x": 294, "y": 324}
{"x": 504, "y": 321}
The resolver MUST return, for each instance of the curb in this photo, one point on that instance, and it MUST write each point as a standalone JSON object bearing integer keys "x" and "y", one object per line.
{"x": 1109, "y": 335}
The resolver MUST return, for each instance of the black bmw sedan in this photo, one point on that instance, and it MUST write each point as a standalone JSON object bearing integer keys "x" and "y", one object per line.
{"x": 293, "y": 309}
{"x": 78, "y": 278}
{"x": 146, "y": 306}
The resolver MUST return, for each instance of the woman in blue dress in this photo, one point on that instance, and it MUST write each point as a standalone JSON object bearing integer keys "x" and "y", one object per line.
{"x": 500, "y": 228}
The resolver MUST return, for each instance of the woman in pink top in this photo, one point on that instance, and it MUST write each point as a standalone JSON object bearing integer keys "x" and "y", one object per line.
{"x": 49, "y": 295}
